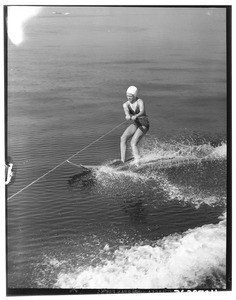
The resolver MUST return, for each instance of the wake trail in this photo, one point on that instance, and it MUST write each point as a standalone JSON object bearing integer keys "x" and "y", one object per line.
{"x": 177, "y": 177}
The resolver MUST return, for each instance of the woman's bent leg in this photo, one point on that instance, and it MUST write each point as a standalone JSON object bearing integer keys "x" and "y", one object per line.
{"x": 124, "y": 138}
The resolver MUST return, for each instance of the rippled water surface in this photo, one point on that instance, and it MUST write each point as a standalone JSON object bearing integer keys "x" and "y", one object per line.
{"x": 148, "y": 226}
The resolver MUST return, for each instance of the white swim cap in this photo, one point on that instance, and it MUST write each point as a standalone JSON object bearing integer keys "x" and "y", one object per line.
{"x": 132, "y": 90}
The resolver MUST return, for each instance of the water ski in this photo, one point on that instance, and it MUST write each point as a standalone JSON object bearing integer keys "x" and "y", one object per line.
{"x": 89, "y": 167}
{"x": 117, "y": 164}
{"x": 160, "y": 163}
{"x": 121, "y": 166}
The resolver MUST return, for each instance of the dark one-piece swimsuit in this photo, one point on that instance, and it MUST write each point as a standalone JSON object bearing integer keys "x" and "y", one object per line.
{"x": 140, "y": 121}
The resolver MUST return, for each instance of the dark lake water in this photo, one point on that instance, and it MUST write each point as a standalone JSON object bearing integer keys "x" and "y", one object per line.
{"x": 147, "y": 227}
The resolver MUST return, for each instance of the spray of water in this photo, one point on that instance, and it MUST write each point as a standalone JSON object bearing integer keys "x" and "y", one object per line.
{"x": 18, "y": 16}
{"x": 177, "y": 182}
{"x": 194, "y": 259}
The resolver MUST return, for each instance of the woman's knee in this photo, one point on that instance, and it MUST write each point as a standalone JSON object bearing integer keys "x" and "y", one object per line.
{"x": 133, "y": 143}
{"x": 123, "y": 139}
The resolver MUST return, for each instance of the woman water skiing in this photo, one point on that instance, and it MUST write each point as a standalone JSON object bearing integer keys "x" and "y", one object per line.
{"x": 134, "y": 111}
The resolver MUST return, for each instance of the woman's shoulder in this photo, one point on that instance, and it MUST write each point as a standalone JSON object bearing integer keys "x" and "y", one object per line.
{"x": 126, "y": 104}
{"x": 140, "y": 101}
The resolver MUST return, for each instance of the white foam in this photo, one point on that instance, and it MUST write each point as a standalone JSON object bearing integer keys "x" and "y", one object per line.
{"x": 154, "y": 150}
{"x": 177, "y": 261}
{"x": 219, "y": 152}
{"x": 164, "y": 155}
{"x": 112, "y": 180}
{"x": 107, "y": 175}
{"x": 188, "y": 194}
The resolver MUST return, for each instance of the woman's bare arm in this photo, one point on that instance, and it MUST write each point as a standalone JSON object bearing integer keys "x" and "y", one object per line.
{"x": 126, "y": 110}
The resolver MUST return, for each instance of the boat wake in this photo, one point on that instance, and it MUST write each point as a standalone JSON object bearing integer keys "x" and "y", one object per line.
{"x": 194, "y": 259}
{"x": 151, "y": 254}
{"x": 190, "y": 174}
